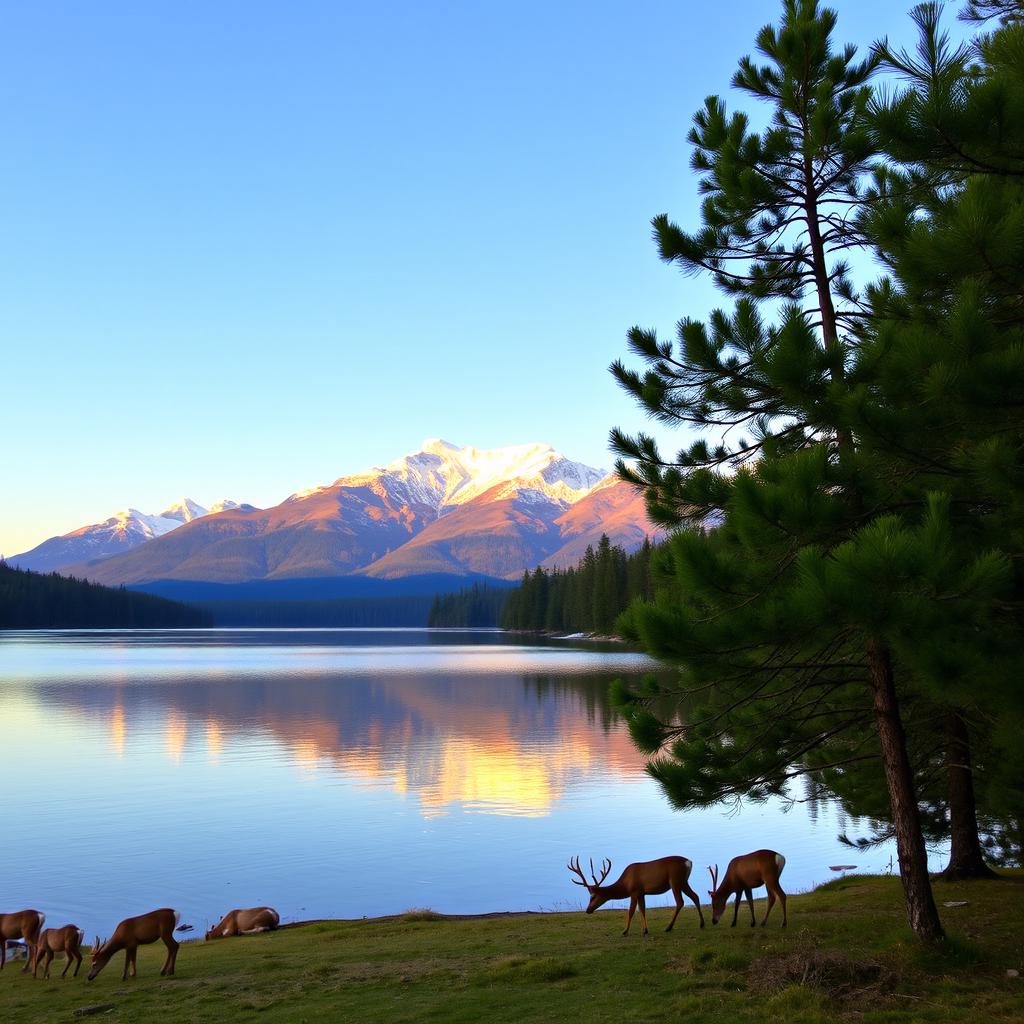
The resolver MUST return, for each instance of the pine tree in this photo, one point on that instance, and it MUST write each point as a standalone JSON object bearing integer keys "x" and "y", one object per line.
{"x": 940, "y": 409}
{"x": 795, "y": 616}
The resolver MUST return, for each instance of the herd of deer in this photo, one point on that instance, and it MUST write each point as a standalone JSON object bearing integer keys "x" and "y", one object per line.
{"x": 131, "y": 933}
{"x": 648, "y": 878}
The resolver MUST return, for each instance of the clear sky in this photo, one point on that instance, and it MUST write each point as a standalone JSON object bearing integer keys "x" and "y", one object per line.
{"x": 248, "y": 247}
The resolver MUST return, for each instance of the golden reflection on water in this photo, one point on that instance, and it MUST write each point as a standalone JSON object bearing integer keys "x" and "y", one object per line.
{"x": 486, "y": 774}
{"x": 117, "y": 729}
{"x": 214, "y": 739}
{"x": 175, "y": 735}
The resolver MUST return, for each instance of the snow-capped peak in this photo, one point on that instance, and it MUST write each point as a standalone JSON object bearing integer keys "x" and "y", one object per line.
{"x": 133, "y": 523}
{"x": 184, "y": 511}
{"x": 442, "y": 475}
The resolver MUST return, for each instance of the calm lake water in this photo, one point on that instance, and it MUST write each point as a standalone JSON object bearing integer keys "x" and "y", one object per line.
{"x": 337, "y": 773}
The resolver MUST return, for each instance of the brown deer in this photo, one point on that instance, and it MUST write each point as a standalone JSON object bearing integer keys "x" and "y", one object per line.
{"x": 133, "y": 932}
{"x": 743, "y": 875}
{"x": 66, "y": 940}
{"x": 245, "y": 922}
{"x": 647, "y": 878}
{"x": 24, "y": 924}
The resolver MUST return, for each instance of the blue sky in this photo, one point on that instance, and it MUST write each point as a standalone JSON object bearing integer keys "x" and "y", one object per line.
{"x": 249, "y": 247}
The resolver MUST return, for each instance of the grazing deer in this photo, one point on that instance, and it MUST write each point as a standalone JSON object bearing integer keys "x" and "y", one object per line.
{"x": 743, "y": 875}
{"x": 25, "y": 924}
{"x": 245, "y": 922}
{"x": 648, "y": 878}
{"x": 133, "y": 932}
{"x": 66, "y": 940}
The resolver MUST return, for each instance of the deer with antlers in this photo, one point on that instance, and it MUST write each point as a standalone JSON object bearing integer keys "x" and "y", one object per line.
{"x": 133, "y": 932}
{"x": 23, "y": 924}
{"x": 245, "y": 922}
{"x": 742, "y": 876}
{"x": 647, "y": 878}
{"x": 66, "y": 940}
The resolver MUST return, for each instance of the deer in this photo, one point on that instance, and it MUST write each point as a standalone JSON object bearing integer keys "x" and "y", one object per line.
{"x": 647, "y": 878}
{"x": 743, "y": 875}
{"x": 24, "y": 924}
{"x": 245, "y": 922}
{"x": 133, "y": 932}
{"x": 66, "y": 940}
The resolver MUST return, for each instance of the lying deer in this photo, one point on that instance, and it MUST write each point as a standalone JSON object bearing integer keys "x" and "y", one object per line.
{"x": 647, "y": 878}
{"x": 24, "y": 924}
{"x": 245, "y": 922}
{"x": 66, "y": 940}
{"x": 134, "y": 932}
{"x": 743, "y": 875}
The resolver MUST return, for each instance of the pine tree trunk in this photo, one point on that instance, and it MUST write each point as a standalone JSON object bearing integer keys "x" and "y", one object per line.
{"x": 966, "y": 859}
{"x": 922, "y": 914}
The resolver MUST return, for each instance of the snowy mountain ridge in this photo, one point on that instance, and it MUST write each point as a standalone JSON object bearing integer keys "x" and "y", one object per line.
{"x": 442, "y": 476}
{"x": 122, "y": 532}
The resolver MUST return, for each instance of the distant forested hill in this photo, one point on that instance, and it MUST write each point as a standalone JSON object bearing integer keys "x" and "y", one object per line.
{"x": 473, "y": 607}
{"x": 588, "y": 597}
{"x": 30, "y": 600}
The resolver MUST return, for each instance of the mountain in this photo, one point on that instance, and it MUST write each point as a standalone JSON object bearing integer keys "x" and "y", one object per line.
{"x": 612, "y": 507}
{"x": 122, "y": 532}
{"x": 440, "y": 510}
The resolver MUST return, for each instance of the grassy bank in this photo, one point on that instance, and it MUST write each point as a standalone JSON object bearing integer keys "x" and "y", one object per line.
{"x": 846, "y": 955}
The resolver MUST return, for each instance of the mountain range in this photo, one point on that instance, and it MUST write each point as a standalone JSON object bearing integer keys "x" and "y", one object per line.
{"x": 444, "y": 509}
{"x": 122, "y": 532}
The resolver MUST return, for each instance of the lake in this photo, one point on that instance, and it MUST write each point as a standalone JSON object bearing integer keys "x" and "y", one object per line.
{"x": 339, "y": 773}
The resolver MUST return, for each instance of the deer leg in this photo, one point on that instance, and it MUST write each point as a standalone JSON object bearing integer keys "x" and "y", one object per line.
{"x": 736, "y": 908}
{"x": 771, "y": 903}
{"x": 46, "y": 965}
{"x": 172, "y": 954}
{"x": 679, "y": 906}
{"x": 32, "y": 947}
{"x": 629, "y": 913}
{"x": 3, "y": 951}
{"x": 127, "y": 961}
{"x": 750, "y": 900}
{"x": 782, "y": 900}
{"x": 696, "y": 902}
{"x": 68, "y": 954}
{"x": 78, "y": 962}
{"x": 642, "y": 903}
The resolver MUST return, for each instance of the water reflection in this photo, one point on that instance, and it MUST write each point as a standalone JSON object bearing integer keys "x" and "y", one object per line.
{"x": 497, "y": 743}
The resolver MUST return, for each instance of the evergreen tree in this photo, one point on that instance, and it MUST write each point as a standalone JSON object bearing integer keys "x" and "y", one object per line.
{"x": 784, "y": 615}
{"x": 939, "y": 406}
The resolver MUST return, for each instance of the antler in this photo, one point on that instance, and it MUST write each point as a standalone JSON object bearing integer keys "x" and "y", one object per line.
{"x": 606, "y": 866}
{"x": 714, "y": 877}
{"x": 574, "y": 867}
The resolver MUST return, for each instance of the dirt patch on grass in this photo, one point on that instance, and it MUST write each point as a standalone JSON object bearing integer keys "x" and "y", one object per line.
{"x": 830, "y": 974}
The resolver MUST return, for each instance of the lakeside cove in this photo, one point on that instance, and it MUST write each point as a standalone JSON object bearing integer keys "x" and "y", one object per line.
{"x": 847, "y": 955}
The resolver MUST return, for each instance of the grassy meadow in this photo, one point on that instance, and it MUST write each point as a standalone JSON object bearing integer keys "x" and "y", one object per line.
{"x": 847, "y": 955}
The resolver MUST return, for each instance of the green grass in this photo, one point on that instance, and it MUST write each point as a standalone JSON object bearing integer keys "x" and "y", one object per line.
{"x": 846, "y": 956}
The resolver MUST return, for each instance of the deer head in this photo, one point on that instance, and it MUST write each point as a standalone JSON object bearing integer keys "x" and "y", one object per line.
{"x": 96, "y": 962}
{"x": 718, "y": 900}
{"x": 593, "y": 887}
